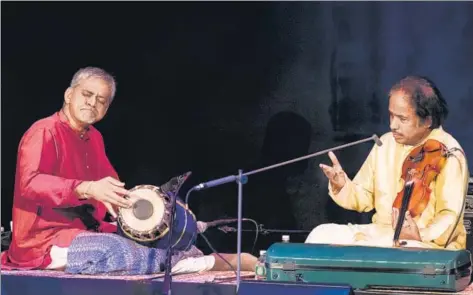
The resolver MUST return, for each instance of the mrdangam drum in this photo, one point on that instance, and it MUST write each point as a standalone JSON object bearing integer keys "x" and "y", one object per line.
{"x": 147, "y": 220}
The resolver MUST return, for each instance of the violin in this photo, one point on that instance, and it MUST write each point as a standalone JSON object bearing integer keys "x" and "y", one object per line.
{"x": 419, "y": 169}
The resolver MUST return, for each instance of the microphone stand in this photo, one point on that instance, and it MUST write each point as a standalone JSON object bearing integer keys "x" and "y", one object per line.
{"x": 167, "y": 272}
{"x": 242, "y": 178}
{"x": 240, "y": 181}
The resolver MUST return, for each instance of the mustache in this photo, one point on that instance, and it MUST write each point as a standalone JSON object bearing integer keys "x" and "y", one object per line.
{"x": 89, "y": 109}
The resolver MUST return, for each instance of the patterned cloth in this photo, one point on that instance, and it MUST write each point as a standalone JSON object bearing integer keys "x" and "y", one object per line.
{"x": 111, "y": 254}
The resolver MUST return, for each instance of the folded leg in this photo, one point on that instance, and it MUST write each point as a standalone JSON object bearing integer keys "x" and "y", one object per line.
{"x": 104, "y": 253}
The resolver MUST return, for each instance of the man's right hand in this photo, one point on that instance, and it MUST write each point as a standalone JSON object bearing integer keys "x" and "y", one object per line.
{"x": 110, "y": 192}
{"x": 335, "y": 174}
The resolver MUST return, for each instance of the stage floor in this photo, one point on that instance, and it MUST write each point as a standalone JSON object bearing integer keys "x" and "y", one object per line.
{"x": 55, "y": 282}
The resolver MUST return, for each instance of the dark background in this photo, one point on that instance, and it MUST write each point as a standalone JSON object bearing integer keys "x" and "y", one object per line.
{"x": 215, "y": 87}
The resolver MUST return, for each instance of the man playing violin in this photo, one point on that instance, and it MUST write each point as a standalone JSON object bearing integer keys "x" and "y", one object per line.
{"x": 417, "y": 111}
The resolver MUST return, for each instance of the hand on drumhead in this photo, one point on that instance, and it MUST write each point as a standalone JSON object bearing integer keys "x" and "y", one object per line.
{"x": 110, "y": 192}
{"x": 335, "y": 173}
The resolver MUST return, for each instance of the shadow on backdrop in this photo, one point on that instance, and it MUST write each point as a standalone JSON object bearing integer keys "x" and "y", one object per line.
{"x": 265, "y": 198}
{"x": 288, "y": 136}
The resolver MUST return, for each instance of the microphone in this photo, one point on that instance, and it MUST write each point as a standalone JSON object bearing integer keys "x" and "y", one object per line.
{"x": 377, "y": 140}
{"x": 203, "y": 226}
{"x": 218, "y": 182}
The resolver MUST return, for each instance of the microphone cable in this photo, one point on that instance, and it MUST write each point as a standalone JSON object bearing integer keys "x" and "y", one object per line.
{"x": 220, "y": 256}
{"x": 210, "y": 245}
{"x": 243, "y": 219}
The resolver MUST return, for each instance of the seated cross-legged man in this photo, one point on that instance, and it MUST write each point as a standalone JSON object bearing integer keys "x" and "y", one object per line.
{"x": 417, "y": 111}
{"x": 65, "y": 185}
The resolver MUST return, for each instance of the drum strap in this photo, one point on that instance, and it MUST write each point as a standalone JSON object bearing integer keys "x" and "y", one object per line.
{"x": 84, "y": 213}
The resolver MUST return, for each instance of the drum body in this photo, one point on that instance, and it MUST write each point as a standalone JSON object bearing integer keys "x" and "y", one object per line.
{"x": 147, "y": 221}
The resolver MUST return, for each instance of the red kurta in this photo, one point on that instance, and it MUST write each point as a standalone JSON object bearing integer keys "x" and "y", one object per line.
{"x": 53, "y": 160}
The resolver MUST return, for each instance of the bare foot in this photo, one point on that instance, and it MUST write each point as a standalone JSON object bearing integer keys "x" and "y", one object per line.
{"x": 248, "y": 261}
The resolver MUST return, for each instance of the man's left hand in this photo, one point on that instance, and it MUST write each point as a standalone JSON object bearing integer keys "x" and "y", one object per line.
{"x": 409, "y": 230}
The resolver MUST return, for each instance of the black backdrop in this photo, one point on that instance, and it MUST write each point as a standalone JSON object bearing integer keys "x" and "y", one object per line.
{"x": 195, "y": 82}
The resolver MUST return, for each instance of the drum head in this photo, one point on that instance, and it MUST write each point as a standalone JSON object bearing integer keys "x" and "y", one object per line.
{"x": 148, "y": 209}
{"x": 147, "y": 221}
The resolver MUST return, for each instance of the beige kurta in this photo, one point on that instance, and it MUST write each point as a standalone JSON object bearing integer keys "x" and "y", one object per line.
{"x": 375, "y": 187}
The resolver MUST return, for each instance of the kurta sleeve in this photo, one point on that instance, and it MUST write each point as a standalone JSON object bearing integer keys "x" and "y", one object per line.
{"x": 357, "y": 194}
{"x": 450, "y": 191}
{"x": 37, "y": 159}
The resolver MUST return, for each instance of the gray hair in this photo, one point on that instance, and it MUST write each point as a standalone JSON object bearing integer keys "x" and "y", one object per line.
{"x": 94, "y": 72}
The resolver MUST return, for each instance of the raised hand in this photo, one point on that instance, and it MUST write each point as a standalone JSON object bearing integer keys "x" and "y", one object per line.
{"x": 334, "y": 173}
